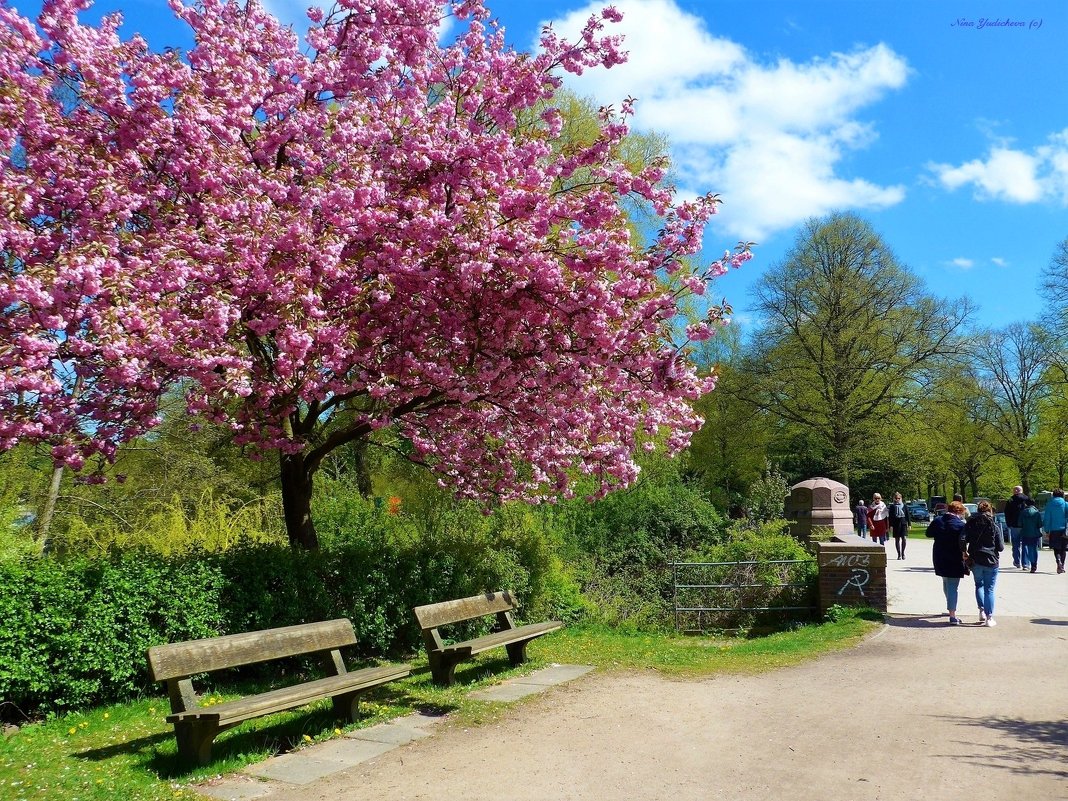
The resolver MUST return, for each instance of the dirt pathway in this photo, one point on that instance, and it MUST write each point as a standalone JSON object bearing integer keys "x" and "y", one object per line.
{"x": 919, "y": 711}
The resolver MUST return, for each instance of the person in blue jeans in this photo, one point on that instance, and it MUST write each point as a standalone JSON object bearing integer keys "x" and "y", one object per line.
{"x": 1030, "y": 535}
{"x": 984, "y": 543}
{"x": 1053, "y": 521}
{"x": 1013, "y": 507}
{"x": 947, "y": 551}
{"x": 860, "y": 515}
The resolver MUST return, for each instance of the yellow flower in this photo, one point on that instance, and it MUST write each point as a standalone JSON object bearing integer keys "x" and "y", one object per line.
{"x": 83, "y": 725}
{"x": 307, "y": 738}
{"x": 107, "y": 715}
{"x": 337, "y": 731}
{"x": 72, "y": 730}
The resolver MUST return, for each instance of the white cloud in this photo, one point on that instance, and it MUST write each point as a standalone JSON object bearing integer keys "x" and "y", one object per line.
{"x": 964, "y": 264}
{"x": 999, "y": 262}
{"x": 1013, "y": 174}
{"x": 768, "y": 136}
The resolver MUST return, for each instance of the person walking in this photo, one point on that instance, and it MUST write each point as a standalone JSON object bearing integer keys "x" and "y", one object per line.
{"x": 860, "y": 512}
{"x": 1013, "y": 507}
{"x": 1053, "y": 521}
{"x": 899, "y": 524}
{"x": 1030, "y": 535}
{"x": 984, "y": 544}
{"x": 877, "y": 519}
{"x": 947, "y": 552}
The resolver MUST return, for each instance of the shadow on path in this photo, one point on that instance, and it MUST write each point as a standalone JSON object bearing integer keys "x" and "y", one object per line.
{"x": 1039, "y": 741}
{"x": 917, "y": 621}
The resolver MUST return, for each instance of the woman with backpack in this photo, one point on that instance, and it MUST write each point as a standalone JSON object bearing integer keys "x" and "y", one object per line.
{"x": 982, "y": 537}
{"x": 947, "y": 551}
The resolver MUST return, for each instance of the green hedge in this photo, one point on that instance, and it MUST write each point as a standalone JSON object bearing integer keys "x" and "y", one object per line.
{"x": 75, "y": 631}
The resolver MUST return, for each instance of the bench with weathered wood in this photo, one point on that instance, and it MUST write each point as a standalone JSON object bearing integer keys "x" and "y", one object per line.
{"x": 195, "y": 726}
{"x": 444, "y": 658}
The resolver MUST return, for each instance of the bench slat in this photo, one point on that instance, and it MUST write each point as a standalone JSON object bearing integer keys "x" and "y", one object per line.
{"x": 178, "y": 660}
{"x": 441, "y": 614}
{"x": 289, "y": 697}
{"x": 499, "y": 638}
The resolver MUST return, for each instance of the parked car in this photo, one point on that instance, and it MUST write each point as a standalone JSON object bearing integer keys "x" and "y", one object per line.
{"x": 918, "y": 512}
{"x": 971, "y": 508}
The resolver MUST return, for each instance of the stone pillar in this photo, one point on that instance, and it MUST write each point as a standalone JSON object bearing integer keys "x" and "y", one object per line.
{"x": 852, "y": 573}
{"x": 819, "y": 503}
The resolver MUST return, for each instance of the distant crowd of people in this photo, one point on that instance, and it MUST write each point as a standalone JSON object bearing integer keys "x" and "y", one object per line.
{"x": 972, "y": 544}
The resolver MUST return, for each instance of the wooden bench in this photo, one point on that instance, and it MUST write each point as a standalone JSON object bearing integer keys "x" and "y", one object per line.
{"x": 195, "y": 726}
{"x": 444, "y": 658}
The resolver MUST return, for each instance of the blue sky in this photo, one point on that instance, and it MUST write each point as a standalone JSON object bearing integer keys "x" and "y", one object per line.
{"x": 947, "y": 132}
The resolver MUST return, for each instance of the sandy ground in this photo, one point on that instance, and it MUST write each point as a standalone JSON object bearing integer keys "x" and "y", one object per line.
{"x": 918, "y": 711}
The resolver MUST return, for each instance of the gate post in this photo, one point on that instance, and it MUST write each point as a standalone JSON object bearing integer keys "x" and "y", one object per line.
{"x": 852, "y": 573}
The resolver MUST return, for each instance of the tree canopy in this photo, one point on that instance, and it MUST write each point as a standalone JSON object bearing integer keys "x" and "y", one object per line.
{"x": 318, "y": 241}
{"x": 846, "y": 335}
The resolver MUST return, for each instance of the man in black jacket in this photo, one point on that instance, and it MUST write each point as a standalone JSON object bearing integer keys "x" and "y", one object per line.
{"x": 1013, "y": 507}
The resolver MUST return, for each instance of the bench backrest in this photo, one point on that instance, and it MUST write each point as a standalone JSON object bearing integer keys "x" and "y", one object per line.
{"x": 433, "y": 615}
{"x": 183, "y": 659}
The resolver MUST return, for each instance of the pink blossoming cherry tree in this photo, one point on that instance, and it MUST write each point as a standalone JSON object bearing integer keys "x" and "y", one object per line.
{"x": 314, "y": 239}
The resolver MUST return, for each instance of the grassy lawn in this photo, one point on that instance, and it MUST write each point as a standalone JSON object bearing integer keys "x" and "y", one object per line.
{"x": 127, "y": 751}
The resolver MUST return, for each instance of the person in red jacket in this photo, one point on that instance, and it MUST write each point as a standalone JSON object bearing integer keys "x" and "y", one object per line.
{"x": 877, "y": 519}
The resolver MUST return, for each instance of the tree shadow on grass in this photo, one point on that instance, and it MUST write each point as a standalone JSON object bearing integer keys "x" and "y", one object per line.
{"x": 258, "y": 738}
{"x": 1040, "y": 748}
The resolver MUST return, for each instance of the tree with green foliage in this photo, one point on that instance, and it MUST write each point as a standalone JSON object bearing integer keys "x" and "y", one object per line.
{"x": 847, "y": 337}
{"x": 1012, "y": 366}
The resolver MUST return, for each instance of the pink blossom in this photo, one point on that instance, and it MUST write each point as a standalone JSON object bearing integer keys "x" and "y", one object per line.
{"x": 287, "y": 227}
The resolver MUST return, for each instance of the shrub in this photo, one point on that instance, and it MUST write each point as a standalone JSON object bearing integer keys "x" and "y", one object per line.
{"x": 750, "y": 573}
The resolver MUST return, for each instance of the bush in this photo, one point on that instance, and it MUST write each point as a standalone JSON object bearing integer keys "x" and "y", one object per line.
{"x": 620, "y": 548}
{"x": 76, "y": 630}
{"x": 750, "y": 561}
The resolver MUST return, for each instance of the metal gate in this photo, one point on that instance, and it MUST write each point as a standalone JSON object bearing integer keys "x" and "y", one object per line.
{"x": 735, "y": 595}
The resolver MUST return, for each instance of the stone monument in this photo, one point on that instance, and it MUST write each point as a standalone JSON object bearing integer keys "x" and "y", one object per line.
{"x": 819, "y": 503}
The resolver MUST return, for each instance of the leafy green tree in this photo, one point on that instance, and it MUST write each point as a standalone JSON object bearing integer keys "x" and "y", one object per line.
{"x": 1012, "y": 368}
{"x": 847, "y": 338}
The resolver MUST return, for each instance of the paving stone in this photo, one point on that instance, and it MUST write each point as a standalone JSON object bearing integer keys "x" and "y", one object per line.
{"x": 300, "y": 768}
{"x": 236, "y": 788}
{"x": 507, "y": 691}
{"x": 536, "y": 682}
{"x": 422, "y": 720}
{"x": 554, "y": 674}
{"x": 350, "y": 752}
{"x": 309, "y": 764}
{"x": 396, "y": 733}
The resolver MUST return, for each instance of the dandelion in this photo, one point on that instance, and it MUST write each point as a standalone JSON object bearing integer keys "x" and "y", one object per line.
{"x": 83, "y": 725}
{"x": 307, "y": 738}
{"x": 72, "y": 730}
{"x": 337, "y": 731}
{"x": 107, "y": 715}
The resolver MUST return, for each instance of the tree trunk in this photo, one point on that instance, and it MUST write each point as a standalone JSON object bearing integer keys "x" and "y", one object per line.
{"x": 296, "y": 501}
{"x": 44, "y": 525}
{"x": 360, "y": 466}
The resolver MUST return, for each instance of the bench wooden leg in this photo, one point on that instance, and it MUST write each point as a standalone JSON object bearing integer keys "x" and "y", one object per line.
{"x": 443, "y": 671}
{"x": 194, "y": 741}
{"x": 347, "y": 706}
{"x": 517, "y": 652}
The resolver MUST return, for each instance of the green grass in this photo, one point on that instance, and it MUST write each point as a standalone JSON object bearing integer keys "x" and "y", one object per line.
{"x": 127, "y": 751}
